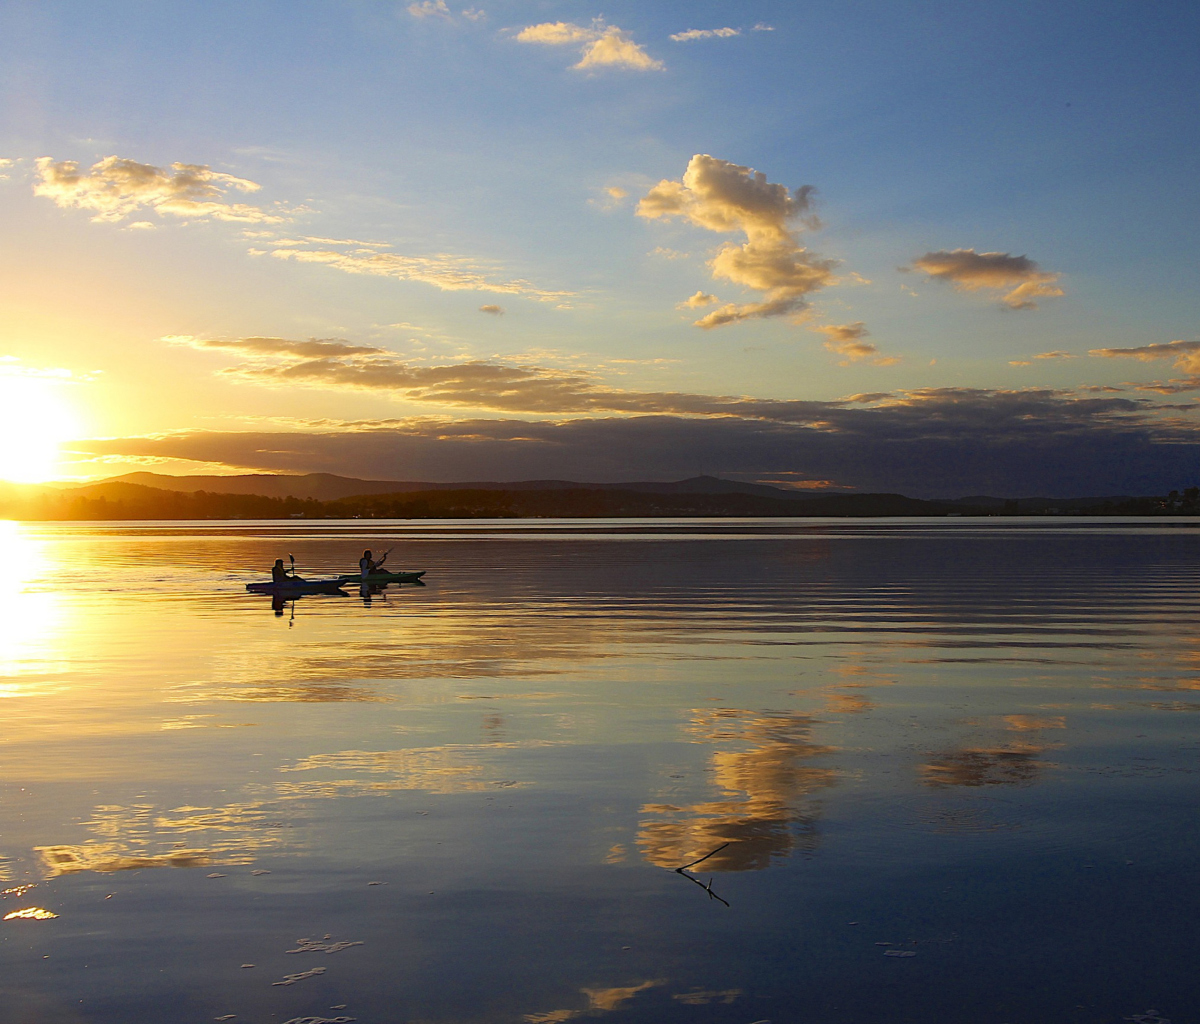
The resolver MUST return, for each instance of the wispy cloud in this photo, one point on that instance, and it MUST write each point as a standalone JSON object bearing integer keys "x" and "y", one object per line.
{"x": 1186, "y": 354}
{"x": 492, "y": 309}
{"x": 705, "y": 33}
{"x": 601, "y": 46}
{"x": 438, "y": 10}
{"x": 726, "y": 197}
{"x": 313, "y": 348}
{"x": 115, "y": 187}
{"x": 450, "y": 273}
{"x": 848, "y": 340}
{"x": 970, "y": 271}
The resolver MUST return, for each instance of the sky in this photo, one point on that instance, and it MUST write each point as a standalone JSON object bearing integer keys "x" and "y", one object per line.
{"x": 935, "y": 248}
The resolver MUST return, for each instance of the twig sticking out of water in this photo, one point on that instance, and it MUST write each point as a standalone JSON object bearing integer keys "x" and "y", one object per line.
{"x": 691, "y": 878}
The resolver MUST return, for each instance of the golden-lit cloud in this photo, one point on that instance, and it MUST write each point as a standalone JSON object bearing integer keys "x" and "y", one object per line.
{"x": 847, "y": 340}
{"x": 602, "y": 46}
{"x": 449, "y": 273}
{"x": 115, "y": 187}
{"x": 726, "y": 197}
{"x": 698, "y": 301}
{"x": 705, "y": 33}
{"x": 1174, "y": 386}
{"x": 1056, "y": 354}
{"x": 1185, "y": 354}
{"x": 492, "y": 309}
{"x": 761, "y": 764}
{"x": 970, "y": 271}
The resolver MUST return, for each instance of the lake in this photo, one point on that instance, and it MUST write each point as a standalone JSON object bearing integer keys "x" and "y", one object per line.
{"x": 923, "y": 770}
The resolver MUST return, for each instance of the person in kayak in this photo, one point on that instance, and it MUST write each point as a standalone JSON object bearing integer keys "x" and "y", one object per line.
{"x": 278, "y": 573}
{"x": 368, "y": 565}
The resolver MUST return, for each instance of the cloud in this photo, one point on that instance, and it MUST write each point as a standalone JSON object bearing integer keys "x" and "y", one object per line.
{"x": 847, "y": 340}
{"x": 725, "y": 197}
{"x": 314, "y": 348}
{"x": 1186, "y": 354}
{"x": 450, "y": 273}
{"x": 698, "y": 301}
{"x": 933, "y": 442}
{"x": 761, "y": 27}
{"x": 556, "y": 33}
{"x": 970, "y": 271}
{"x": 494, "y": 310}
{"x": 5, "y": 164}
{"x": 705, "y": 33}
{"x": 430, "y": 9}
{"x": 1171, "y": 387}
{"x": 616, "y": 192}
{"x": 1056, "y": 354}
{"x": 115, "y": 187}
{"x": 602, "y": 46}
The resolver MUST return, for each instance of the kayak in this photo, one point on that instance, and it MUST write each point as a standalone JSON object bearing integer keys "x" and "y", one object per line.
{"x": 296, "y": 586}
{"x": 378, "y": 579}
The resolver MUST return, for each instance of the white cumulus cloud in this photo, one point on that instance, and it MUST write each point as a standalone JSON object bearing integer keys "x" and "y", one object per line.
{"x": 705, "y": 33}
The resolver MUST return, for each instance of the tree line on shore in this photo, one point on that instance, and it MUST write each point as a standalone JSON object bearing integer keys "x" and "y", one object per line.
{"x": 130, "y": 501}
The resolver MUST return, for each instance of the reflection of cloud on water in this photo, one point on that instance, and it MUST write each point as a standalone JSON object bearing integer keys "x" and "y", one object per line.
{"x": 453, "y": 768}
{"x": 129, "y": 838}
{"x": 327, "y": 691}
{"x": 1012, "y": 765}
{"x": 600, "y": 1000}
{"x": 848, "y": 703}
{"x": 702, "y": 997}
{"x": 762, "y": 784}
{"x": 1033, "y": 723}
{"x": 107, "y": 857}
{"x": 1014, "y": 762}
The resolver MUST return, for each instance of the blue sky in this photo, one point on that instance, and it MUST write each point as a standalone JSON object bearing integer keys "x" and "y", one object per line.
{"x": 467, "y": 146}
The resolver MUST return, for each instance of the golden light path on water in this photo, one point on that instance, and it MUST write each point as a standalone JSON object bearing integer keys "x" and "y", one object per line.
{"x": 31, "y": 613}
{"x": 472, "y": 798}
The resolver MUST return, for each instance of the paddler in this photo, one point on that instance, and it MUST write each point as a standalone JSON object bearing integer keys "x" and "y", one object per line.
{"x": 368, "y": 565}
{"x": 278, "y": 573}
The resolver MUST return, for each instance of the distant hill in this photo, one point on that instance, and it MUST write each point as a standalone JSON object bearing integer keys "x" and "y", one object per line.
{"x": 328, "y": 487}
{"x": 308, "y": 497}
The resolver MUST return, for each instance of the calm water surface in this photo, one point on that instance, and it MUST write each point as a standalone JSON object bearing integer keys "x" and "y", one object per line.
{"x": 949, "y": 770}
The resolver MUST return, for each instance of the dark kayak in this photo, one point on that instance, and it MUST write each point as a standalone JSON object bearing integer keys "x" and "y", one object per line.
{"x": 379, "y": 579}
{"x": 296, "y": 586}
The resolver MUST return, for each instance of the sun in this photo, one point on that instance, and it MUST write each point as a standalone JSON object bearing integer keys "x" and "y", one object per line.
{"x": 35, "y": 420}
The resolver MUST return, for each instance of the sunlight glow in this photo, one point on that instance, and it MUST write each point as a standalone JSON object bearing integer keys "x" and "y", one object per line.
{"x": 34, "y": 422}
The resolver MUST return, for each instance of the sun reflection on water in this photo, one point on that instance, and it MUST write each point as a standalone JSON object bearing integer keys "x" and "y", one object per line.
{"x": 31, "y": 617}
